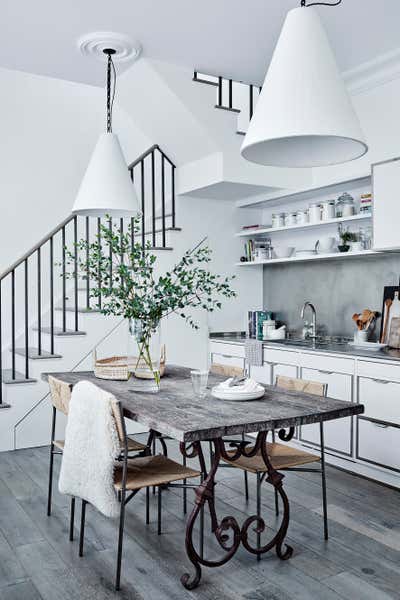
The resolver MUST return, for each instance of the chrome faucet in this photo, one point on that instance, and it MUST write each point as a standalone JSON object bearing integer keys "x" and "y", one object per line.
{"x": 313, "y": 328}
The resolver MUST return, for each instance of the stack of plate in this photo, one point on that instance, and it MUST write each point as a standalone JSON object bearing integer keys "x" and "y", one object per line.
{"x": 235, "y": 394}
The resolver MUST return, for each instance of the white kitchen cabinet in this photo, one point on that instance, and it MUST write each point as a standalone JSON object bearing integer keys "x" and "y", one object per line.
{"x": 386, "y": 205}
{"x": 262, "y": 374}
{"x": 381, "y": 399}
{"x": 283, "y": 369}
{"x": 378, "y": 444}
{"x": 337, "y": 433}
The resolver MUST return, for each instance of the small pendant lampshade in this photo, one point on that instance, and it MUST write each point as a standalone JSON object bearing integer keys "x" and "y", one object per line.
{"x": 304, "y": 116}
{"x": 107, "y": 188}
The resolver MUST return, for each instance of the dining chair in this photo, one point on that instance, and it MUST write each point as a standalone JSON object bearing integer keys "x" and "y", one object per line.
{"x": 287, "y": 458}
{"x": 60, "y": 396}
{"x": 229, "y": 371}
{"x": 134, "y": 474}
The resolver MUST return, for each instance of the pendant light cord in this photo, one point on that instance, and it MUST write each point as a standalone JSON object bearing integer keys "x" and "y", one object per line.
{"x": 303, "y": 3}
{"x": 111, "y": 83}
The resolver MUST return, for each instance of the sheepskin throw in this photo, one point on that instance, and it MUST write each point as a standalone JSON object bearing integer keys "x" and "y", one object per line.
{"x": 91, "y": 447}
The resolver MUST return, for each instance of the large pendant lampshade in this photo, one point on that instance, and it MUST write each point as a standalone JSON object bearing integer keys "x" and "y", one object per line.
{"x": 107, "y": 188}
{"x": 304, "y": 116}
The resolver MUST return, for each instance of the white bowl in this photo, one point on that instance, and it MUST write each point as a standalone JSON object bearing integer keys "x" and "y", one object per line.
{"x": 284, "y": 251}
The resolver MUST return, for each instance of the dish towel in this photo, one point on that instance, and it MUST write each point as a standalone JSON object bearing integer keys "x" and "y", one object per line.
{"x": 253, "y": 351}
{"x": 91, "y": 447}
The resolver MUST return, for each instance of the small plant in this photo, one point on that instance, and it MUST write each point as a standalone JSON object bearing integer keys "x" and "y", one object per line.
{"x": 123, "y": 274}
{"x": 346, "y": 236}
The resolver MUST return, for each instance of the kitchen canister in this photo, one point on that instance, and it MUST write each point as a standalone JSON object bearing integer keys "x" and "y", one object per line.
{"x": 302, "y": 217}
{"x": 292, "y": 219}
{"x": 315, "y": 213}
{"x": 328, "y": 210}
{"x": 278, "y": 220}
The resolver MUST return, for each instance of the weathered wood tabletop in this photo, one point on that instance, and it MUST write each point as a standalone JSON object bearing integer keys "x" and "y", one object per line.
{"x": 176, "y": 412}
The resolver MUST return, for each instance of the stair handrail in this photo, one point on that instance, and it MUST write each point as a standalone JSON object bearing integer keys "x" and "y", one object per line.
{"x": 147, "y": 153}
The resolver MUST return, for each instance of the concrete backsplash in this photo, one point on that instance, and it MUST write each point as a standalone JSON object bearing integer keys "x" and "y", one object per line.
{"x": 337, "y": 288}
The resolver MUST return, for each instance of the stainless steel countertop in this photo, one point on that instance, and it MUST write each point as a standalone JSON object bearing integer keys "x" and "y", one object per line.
{"x": 309, "y": 346}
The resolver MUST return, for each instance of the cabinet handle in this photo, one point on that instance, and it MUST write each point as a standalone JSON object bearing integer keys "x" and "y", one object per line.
{"x": 382, "y": 425}
{"x": 226, "y": 356}
{"x": 384, "y": 381}
{"x": 325, "y": 372}
{"x": 271, "y": 364}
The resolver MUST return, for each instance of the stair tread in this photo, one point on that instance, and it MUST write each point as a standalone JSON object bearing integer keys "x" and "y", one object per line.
{"x": 235, "y": 110}
{"x": 80, "y": 310}
{"x": 33, "y": 353}
{"x": 59, "y": 332}
{"x": 19, "y": 377}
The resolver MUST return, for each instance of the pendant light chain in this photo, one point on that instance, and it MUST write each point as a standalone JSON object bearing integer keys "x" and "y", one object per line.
{"x": 303, "y": 3}
{"x": 111, "y": 75}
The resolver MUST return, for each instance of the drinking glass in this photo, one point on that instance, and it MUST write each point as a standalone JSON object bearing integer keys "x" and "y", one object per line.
{"x": 199, "y": 382}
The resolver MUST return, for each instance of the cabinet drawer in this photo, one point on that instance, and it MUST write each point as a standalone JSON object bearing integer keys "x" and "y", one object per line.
{"x": 324, "y": 363}
{"x": 337, "y": 433}
{"x": 262, "y": 374}
{"x": 379, "y": 370}
{"x": 272, "y": 355}
{"x": 378, "y": 444}
{"x": 228, "y": 349}
{"x": 381, "y": 399}
{"x": 226, "y": 360}
{"x": 283, "y": 369}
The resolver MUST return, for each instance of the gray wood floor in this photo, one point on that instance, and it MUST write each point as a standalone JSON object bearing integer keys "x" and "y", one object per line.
{"x": 361, "y": 561}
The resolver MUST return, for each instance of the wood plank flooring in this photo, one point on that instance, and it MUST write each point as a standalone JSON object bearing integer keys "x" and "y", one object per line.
{"x": 361, "y": 561}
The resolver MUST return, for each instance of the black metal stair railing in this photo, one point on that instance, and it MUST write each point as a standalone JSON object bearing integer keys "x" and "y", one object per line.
{"x": 227, "y": 99}
{"x": 35, "y": 286}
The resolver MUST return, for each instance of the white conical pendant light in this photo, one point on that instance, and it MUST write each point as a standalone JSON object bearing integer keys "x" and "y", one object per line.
{"x": 107, "y": 188}
{"x": 304, "y": 116}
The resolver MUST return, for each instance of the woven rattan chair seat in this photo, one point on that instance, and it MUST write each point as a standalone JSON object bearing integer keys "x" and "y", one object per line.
{"x": 152, "y": 470}
{"x": 133, "y": 445}
{"x": 280, "y": 455}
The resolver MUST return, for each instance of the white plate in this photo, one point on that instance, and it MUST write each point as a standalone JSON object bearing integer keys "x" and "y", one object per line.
{"x": 236, "y": 396}
{"x": 367, "y": 345}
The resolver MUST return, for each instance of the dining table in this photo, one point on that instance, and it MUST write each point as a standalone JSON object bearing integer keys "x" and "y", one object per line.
{"x": 175, "y": 412}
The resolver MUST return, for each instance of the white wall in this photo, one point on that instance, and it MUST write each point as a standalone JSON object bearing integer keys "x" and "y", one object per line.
{"x": 48, "y": 131}
{"x": 377, "y": 109}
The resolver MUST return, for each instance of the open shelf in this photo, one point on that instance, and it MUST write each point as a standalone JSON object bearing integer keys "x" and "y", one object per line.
{"x": 293, "y": 259}
{"x": 288, "y": 196}
{"x": 268, "y": 230}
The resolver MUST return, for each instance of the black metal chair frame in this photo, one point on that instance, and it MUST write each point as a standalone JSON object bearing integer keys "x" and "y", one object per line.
{"x": 124, "y": 497}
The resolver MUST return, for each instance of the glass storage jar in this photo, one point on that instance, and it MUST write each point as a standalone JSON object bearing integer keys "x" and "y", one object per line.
{"x": 345, "y": 205}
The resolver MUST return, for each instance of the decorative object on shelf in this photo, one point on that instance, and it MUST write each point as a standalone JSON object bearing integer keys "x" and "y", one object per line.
{"x": 106, "y": 188}
{"x": 365, "y": 204}
{"x": 345, "y": 205}
{"x": 303, "y": 217}
{"x": 346, "y": 236}
{"x": 292, "y": 219}
{"x": 284, "y": 251}
{"x": 328, "y": 210}
{"x": 325, "y": 245}
{"x": 278, "y": 220}
{"x": 314, "y": 211}
{"x": 304, "y": 116}
{"x": 124, "y": 282}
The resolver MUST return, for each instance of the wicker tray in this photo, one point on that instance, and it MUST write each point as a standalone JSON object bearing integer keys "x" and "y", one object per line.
{"x": 116, "y": 367}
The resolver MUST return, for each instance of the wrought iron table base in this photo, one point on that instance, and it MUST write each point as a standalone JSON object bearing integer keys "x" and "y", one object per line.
{"x": 204, "y": 494}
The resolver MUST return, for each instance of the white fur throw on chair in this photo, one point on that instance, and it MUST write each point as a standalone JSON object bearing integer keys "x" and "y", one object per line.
{"x": 91, "y": 447}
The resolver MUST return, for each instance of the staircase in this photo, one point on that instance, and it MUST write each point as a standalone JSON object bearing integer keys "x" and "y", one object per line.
{"x": 49, "y": 323}
{"x": 233, "y": 96}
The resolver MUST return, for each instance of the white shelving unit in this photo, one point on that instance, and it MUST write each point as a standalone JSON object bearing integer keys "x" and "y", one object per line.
{"x": 292, "y": 259}
{"x": 268, "y": 230}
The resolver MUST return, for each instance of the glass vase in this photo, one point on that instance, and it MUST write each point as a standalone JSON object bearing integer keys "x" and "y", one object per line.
{"x": 144, "y": 353}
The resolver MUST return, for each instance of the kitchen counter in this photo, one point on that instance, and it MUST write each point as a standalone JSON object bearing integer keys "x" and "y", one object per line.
{"x": 309, "y": 346}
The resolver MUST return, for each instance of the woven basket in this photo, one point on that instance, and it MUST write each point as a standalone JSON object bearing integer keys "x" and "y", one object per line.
{"x": 116, "y": 367}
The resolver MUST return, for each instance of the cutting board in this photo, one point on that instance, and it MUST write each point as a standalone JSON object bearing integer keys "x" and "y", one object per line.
{"x": 394, "y": 332}
{"x": 389, "y": 291}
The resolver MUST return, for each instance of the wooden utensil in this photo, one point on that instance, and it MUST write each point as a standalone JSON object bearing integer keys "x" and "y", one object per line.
{"x": 394, "y": 333}
{"x": 388, "y": 304}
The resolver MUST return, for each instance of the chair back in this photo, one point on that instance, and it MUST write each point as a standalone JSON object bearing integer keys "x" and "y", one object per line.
{"x": 301, "y": 385}
{"x": 60, "y": 394}
{"x": 226, "y": 370}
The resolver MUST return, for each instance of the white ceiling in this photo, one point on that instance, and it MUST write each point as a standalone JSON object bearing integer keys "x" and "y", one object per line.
{"x": 234, "y": 38}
